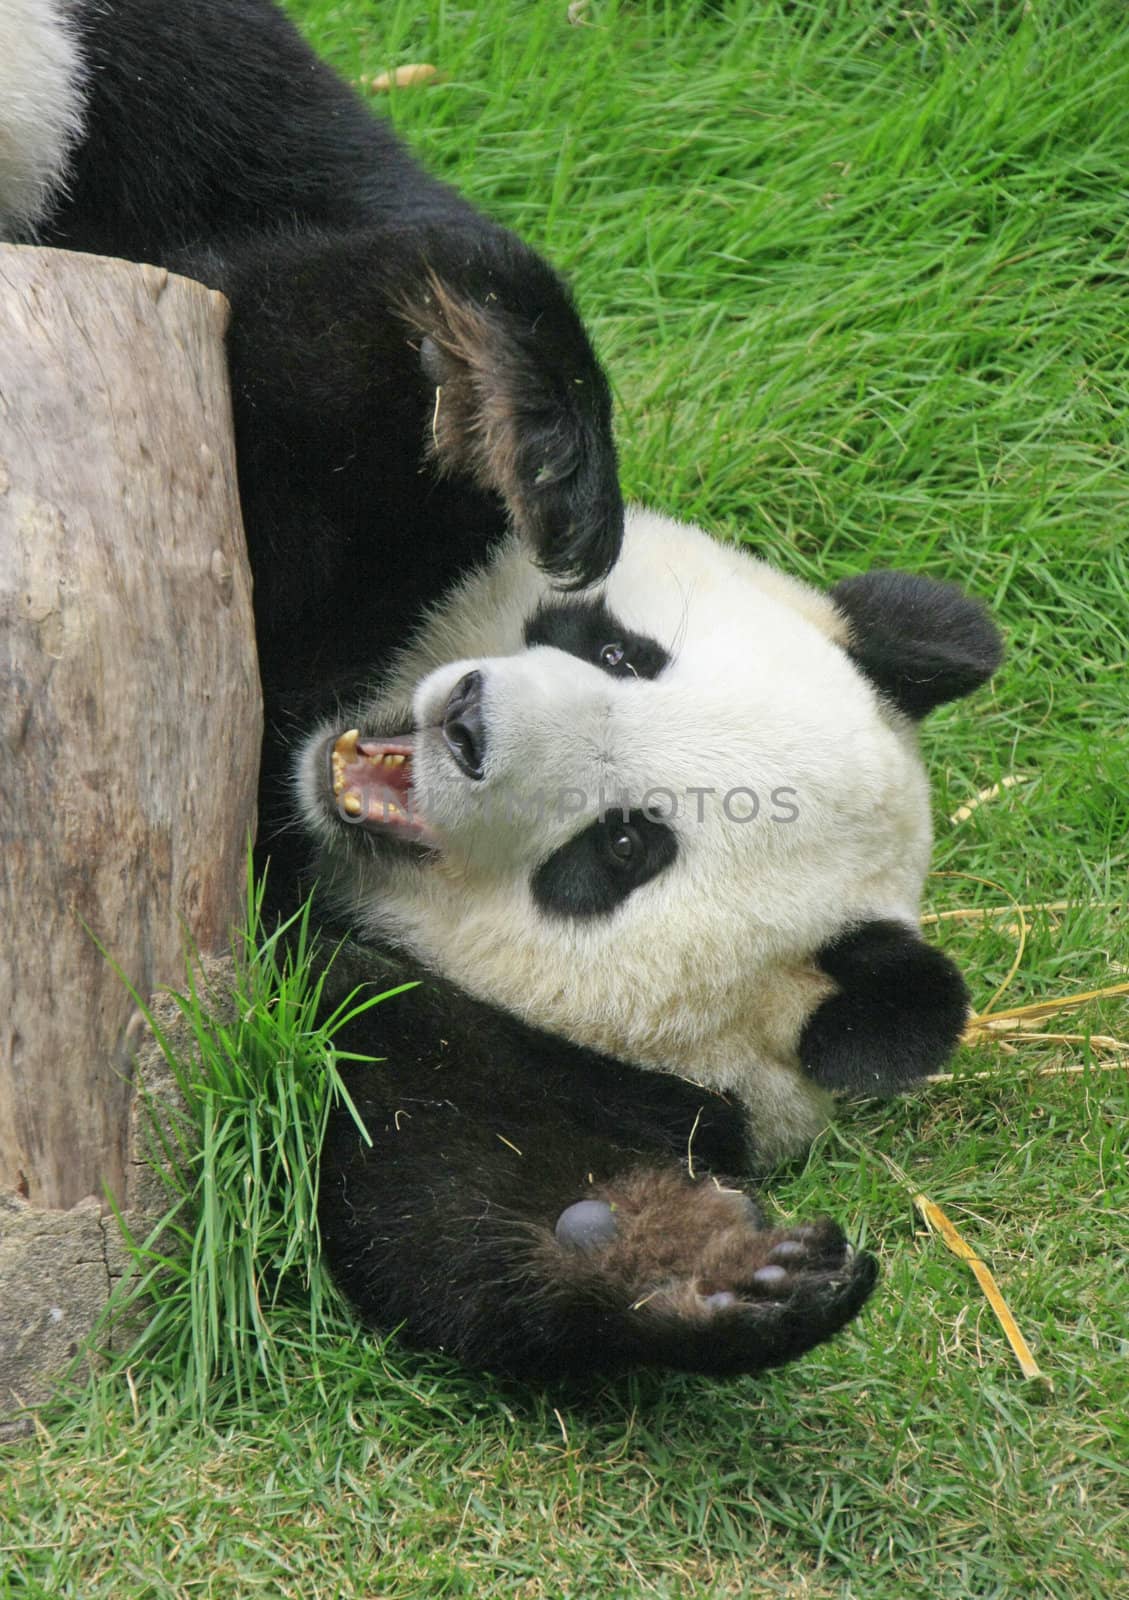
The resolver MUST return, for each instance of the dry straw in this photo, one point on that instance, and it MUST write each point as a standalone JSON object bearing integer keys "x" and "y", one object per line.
{"x": 1007, "y": 1028}
{"x": 937, "y": 1222}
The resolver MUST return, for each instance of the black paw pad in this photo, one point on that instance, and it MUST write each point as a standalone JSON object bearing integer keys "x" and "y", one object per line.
{"x": 587, "y": 1225}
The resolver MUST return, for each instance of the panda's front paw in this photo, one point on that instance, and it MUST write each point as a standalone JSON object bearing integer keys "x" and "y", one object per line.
{"x": 522, "y": 407}
{"x": 697, "y": 1281}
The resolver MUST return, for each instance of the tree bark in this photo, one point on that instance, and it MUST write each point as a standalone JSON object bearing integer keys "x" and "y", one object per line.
{"x": 130, "y": 714}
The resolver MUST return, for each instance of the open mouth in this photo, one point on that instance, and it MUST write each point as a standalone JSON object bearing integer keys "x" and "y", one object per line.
{"x": 371, "y": 784}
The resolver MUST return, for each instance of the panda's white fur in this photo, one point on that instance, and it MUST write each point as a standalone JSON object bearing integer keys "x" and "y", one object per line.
{"x": 707, "y": 969}
{"x": 41, "y": 109}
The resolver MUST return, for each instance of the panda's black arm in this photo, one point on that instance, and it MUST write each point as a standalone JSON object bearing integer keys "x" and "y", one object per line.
{"x": 401, "y": 396}
{"x": 458, "y": 1226}
{"x": 442, "y": 347}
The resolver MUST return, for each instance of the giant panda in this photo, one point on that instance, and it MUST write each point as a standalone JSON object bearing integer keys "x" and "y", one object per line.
{"x": 644, "y": 820}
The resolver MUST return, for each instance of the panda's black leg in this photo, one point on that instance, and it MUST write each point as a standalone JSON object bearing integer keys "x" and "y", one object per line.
{"x": 897, "y": 1015}
{"x": 547, "y": 1250}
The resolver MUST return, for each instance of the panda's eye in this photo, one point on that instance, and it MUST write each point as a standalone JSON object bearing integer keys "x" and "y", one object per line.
{"x": 612, "y": 655}
{"x": 624, "y": 844}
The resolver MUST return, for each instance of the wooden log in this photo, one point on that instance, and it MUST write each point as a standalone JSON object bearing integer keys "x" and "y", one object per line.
{"x": 130, "y": 715}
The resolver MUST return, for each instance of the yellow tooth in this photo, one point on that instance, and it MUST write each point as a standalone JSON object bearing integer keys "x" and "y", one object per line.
{"x": 344, "y": 750}
{"x": 395, "y": 760}
{"x": 351, "y": 803}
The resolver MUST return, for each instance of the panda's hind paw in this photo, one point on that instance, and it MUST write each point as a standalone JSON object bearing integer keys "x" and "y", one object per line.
{"x": 767, "y": 1300}
{"x": 794, "y": 1290}
{"x": 700, "y": 1282}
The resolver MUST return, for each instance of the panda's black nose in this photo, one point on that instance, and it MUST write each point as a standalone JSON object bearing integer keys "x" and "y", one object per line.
{"x": 462, "y": 725}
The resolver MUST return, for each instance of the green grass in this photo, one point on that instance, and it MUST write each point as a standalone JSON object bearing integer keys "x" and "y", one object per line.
{"x": 861, "y": 275}
{"x": 231, "y": 1276}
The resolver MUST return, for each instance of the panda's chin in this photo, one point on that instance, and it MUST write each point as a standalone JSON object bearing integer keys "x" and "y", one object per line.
{"x": 369, "y": 787}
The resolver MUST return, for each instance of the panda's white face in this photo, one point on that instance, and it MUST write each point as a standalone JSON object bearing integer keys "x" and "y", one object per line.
{"x": 631, "y": 816}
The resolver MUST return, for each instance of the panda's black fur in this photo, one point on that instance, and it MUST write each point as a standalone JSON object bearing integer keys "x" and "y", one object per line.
{"x": 363, "y": 293}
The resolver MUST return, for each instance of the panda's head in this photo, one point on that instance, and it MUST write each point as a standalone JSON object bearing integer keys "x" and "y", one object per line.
{"x": 661, "y": 818}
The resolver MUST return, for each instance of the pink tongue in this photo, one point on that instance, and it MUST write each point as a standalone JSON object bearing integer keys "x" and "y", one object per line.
{"x": 372, "y": 779}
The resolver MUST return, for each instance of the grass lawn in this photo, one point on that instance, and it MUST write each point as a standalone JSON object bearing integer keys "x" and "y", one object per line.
{"x": 860, "y": 273}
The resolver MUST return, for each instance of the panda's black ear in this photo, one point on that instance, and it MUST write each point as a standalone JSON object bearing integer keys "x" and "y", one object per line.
{"x": 900, "y": 1010}
{"x": 919, "y": 641}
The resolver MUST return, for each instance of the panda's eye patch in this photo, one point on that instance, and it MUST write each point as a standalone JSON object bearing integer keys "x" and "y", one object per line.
{"x": 588, "y": 629}
{"x": 604, "y": 863}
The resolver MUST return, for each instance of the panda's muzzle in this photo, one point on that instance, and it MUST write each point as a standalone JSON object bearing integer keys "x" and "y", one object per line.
{"x": 464, "y": 733}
